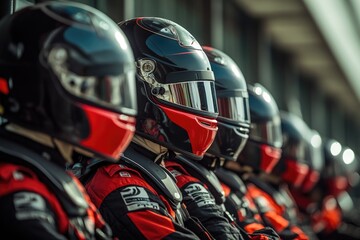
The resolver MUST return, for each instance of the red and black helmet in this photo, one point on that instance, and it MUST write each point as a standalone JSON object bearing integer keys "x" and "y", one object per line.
{"x": 233, "y": 103}
{"x": 67, "y": 70}
{"x": 315, "y": 161}
{"x": 176, "y": 89}
{"x": 340, "y": 165}
{"x": 263, "y": 148}
{"x": 293, "y": 166}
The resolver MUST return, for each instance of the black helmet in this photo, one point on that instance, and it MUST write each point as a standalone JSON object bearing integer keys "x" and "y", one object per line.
{"x": 315, "y": 158}
{"x": 293, "y": 166}
{"x": 233, "y": 103}
{"x": 176, "y": 89}
{"x": 262, "y": 150}
{"x": 67, "y": 70}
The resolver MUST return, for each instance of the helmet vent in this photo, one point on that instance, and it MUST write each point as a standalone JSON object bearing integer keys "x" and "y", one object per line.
{"x": 205, "y": 123}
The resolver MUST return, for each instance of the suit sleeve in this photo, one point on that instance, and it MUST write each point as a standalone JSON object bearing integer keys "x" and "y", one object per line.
{"x": 280, "y": 224}
{"x": 201, "y": 204}
{"x": 239, "y": 208}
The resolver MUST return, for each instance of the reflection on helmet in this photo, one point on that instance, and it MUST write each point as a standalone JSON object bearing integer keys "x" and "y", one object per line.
{"x": 232, "y": 99}
{"x": 340, "y": 168}
{"x": 293, "y": 166}
{"x": 69, "y": 70}
{"x": 262, "y": 150}
{"x": 315, "y": 160}
{"x": 176, "y": 90}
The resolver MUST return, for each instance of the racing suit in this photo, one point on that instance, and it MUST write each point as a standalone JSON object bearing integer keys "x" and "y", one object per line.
{"x": 331, "y": 218}
{"x": 39, "y": 200}
{"x": 133, "y": 202}
{"x": 242, "y": 208}
{"x": 202, "y": 197}
{"x": 274, "y": 210}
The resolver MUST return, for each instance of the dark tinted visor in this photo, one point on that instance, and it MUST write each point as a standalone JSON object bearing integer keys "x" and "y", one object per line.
{"x": 297, "y": 151}
{"x": 267, "y": 132}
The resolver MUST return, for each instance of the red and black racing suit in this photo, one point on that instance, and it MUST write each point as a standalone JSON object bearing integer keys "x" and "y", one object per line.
{"x": 242, "y": 208}
{"x": 34, "y": 206}
{"x": 132, "y": 205}
{"x": 329, "y": 220}
{"x": 201, "y": 204}
{"x": 273, "y": 214}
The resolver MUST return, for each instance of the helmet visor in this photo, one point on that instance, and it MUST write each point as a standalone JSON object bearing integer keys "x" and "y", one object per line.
{"x": 267, "y": 132}
{"x": 111, "y": 91}
{"x": 196, "y": 95}
{"x": 235, "y": 109}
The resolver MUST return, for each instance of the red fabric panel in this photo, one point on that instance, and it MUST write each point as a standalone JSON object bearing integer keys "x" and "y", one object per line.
{"x": 29, "y": 182}
{"x": 152, "y": 225}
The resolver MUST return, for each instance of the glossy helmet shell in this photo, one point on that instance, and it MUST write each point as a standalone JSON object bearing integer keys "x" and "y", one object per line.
{"x": 58, "y": 63}
{"x": 176, "y": 90}
{"x": 233, "y": 103}
{"x": 263, "y": 148}
{"x": 315, "y": 162}
{"x": 339, "y": 167}
{"x": 293, "y": 166}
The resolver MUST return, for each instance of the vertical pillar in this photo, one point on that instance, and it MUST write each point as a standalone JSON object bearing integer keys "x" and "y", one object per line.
{"x": 264, "y": 58}
{"x": 6, "y": 7}
{"x": 217, "y": 24}
{"x": 318, "y": 112}
{"x": 129, "y": 9}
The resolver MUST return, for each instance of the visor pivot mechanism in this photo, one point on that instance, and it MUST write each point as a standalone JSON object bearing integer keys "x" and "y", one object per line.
{"x": 57, "y": 55}
{"x": 147, "y": 67}
{"x": 158, "y": 91}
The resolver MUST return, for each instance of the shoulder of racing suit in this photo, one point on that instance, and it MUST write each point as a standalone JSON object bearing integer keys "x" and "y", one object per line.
{"x": 205, "y": 176}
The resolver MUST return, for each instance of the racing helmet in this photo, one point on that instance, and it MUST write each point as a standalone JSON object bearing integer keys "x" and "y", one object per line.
{"x": 340, "y": 165}
{"x": 176, "y": 89}
{"x": 67, "y": 70}
{"x": 233, "y": 104}
{"x": 352, "y": 166}
{"x": 293, "y": 166}
{"x": 315, "y": 161}
{"x": 263, "y": 148}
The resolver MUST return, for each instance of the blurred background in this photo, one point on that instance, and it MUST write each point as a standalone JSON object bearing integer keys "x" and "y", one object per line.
{"x": 306, "y": 53}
